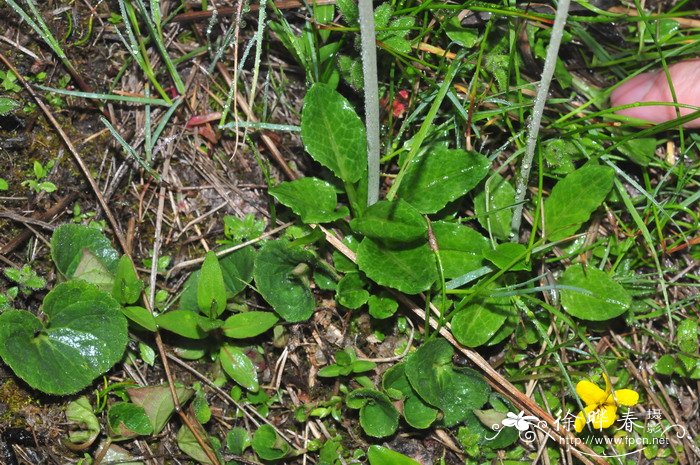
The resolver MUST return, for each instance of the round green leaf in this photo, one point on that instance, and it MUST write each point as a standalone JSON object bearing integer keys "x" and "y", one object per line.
{"x": 378, "y": 416}
{"x": 591, "y": 294}
{"x": 351, "y": 292}
{"x": 268, "y": 445}
{"x": 239, "y": 367}
{"x": 455, "y": 392}
{"x": 276, "y": 268}
{"x": 68, "y": 242}
{"x": 248, "y": 324}
{"x": 417, "y": 413}
{"x": 381, "y": 307}
{"x": 410, "y": 270}
{"x": 433, "y": 179}
{"x": 333, "y": 134}
{"x": 312, "y": 199}
{"x": 84, "y": 335}
{"x": 126, "y": 420}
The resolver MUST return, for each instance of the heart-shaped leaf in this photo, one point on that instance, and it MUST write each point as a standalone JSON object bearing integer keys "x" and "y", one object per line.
{"x": 157, "y": 402}
{"x": 279, "y": 280}
{"x": 68, "y": 242}
{"x": 126, "y": 420}
{"x": 84, "y": 335}
{"x": 268, "y": 445}
{"x": 417, "y": 413}
{"x": 455, "y": 392}
{"x": 378, "y": 416}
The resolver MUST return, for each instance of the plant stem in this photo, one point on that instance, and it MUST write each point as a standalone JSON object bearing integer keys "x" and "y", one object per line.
{"x": 537, "y": 110}
{"x": 369, "y": 72}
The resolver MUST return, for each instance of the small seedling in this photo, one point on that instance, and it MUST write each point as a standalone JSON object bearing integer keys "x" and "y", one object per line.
{"x": 40, "y": 172}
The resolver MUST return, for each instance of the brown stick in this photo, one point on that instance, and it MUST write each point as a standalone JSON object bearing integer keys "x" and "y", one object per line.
{"x": 37, "y": 217}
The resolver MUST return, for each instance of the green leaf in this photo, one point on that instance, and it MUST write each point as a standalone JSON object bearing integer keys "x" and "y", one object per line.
{"x": 461, "y": 248}
{"x": 665, "y": 365}
{"x": 495, "y": 210}
{"x": 417, "y": 413}
{"x": 127, "y": 285}
{"x": 237, "y": 440}
{"x": 575, "y": 198}
{"x": 68, "y": 242}
{"x": 410, "y": 270}
{"x": 378, "y": 455}
{"x": 84, "y": 336}
{"x": 312, "y": 199}
{"x": 508, "y": 256}
{"x": 391, "y": 222}
{"x": 381, "y": 307}
{"x": 455, "y": 392}
{"x": 591, "y": 294}
{"x": 349, "y": 10}
{"x": 378, "y": 416}
{"x": 433, "y": 179}
{"x": 464, "y": 37}
{"x": 7, "y": 105}
{"x": 239, "y": 367}
{"x": 157, "y": 402}
{"x": 687, "y": 336}
{"x": 189, "y": 445}
{"x": 248, "y": 324}
{"x": 187, "y": 324}
{"x": 237, "y": 270}
{"x": 211, "y": 290}
{"x": 91, "y": 270}
{"x": 126, "y": 420}
{"x": 4, "y": 185}
{"x": 80, "y": 412}
{"x": 268, "y": 445}
{"x": 640, "y": 150}
{"x": 141, "y": 316}
{"x": 476, "y": 324}
{"x": 333, "y": 134}
{"x": 351, "y": 291}
{"x": 280, "y": 285}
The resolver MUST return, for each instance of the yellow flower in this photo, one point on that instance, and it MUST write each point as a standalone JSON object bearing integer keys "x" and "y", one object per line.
{"x": 601, "y": 406}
